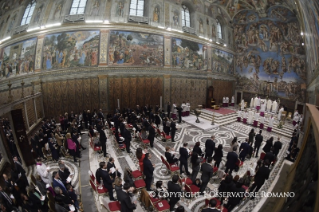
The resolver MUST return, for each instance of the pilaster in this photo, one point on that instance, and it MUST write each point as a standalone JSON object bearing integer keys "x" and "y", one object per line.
{"x": 167, "y": 90}
{"x": 167, "y": 47}
{"x": 103, "y": 93}
{"x": 38, "y": 55}
{"x": 103, "y": 47}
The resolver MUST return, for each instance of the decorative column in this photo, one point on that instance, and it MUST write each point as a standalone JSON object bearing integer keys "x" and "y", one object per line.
{"x": 167, "y": 90}
{"x": 209, "y": 58}
{"x": 22, "y": 91}
{"x": 38, "y": 55}
{"x": 10, "y": 97}
{"x": 103, "y": 92}
{"x": 167, "y": 52}
{"x": 103, "y": 47}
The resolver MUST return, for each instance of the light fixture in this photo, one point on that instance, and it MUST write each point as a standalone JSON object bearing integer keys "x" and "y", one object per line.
{"x": 301, "y": 33}
{"x": 303, "y": 44}
{"x": 52, "y": 25}
{"x": 169, "y": 29}
{"x": 93, "y": 21}
{"x": 225, "y": 44}
{"x": 217, "y": 42}
{"x": 161, "y": 27}
{"x": 210, "y": 40}
{"x": 4, "y": 39}
{"x": 33, "y": 29}
{"x": 106, "y": 21}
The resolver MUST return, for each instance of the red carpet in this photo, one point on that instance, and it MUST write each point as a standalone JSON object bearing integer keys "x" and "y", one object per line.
{"x": 222, "y": 111}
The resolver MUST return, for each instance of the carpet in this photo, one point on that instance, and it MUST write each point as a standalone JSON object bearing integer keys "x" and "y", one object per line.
{"x": 222, "y": 111}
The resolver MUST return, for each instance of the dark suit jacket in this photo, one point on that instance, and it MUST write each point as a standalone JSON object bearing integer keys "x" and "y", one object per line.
{"x": 198, "y": 150}
{"x": 103, "y": 137}
{"x": 262, "y": 175}
{"x": 173, "y": 126}
{"x": 258, "y": 140}
{"x": 244, "y": 149}
{"x": 6, "y": 202}
{"x": 277, "y": 147}
{"x": 232, "y": 159}
{"x": 169, "y": 157}
{"x": 125, "y": 200}
{"x": 107, "y": 182}
{"x": 148, "y": 168}
{"x": 270, "y": 157}
{"x": 110, "y": 165}
{"x": 207, "y": 172}
{"x": 183, "y": 154}
{"x": 64, "y": 175}
{"x": 210, "y": 210}
{"x": 234, "y": 200}
{"x": 19, "y": 168}
{"x": 57, "y": 184}
{"x": 209, "y": 147}
{"x": 173, "y": 187}
{"x": 151, "y": 132}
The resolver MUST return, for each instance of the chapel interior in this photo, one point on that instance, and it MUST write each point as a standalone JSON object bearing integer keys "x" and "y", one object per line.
{"x": 107, "y": 104}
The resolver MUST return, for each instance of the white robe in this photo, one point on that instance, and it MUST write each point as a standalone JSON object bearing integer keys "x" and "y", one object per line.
{"x": 233, "y": 100}
{"x": 174, "y": 109}
{"x": 274, "y": 107}
{"x": 271, "y": 122}
{"x": 250, "y": 117}
{"x": 280, "y": 113}
{"x": 188, "y": 106}
{"x": 245, "y": 115}
{"x": 296, "y": 113}
{"x": 263, "y": 106}
{"x": 252, "y": 102}
{"x": 242, "y": 105}
{"x": 255, "y": 101}
{"x": 224, "y": 100}
{"x": 44, "y": 174}
{"x": 258, "y": 102}
{"x": 256, "y": 116}
{"x": 269, "y": 104}
{"x": 296, "y": 117}
{"x": 261, "y": 120}
{"x": 227, "y": 100}
{"x": 183, "y": 106}
{"x": 239, "y": 113}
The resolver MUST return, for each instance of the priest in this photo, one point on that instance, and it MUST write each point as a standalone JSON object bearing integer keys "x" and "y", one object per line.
{"x": 261, "y": 122}
{"x": 242, "y": 105}
{"x": 250, "y": 117}
{"x": 258, "y": 104}
{"x": 227, "y": 101}
{"x": 224, "y": 101}
{"x": 296, "y": 118}
{"x": 270, "y": 123}
{"x": 280, "y": 113}
{"x": 174, "y": 112}
{"x": 262, "y": 107}
{"x": 183, "y": 106}
{"x": 274, "y": 107}
{"x": 269, "y": 104}
{"x": 245, "y": 116}
{"x": 252, "y": 103}
{"x": 255, "y": 102}
{"x": 188, "y": 109}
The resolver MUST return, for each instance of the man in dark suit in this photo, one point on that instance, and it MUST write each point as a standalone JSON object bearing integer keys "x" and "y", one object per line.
{"x": 209, "y": 147}
{"x": 179, "y": 109}
{"x": 184, "y": 155}
{"x": 258, "y": 141}
{"x": 244, "y": 150}
{"x": 148, "y": 171}
{"x": 103, "y": 174}
{"x": 277, "y": 147}
{"x": 232, "y": 159}
{"x": 211, "y": 207}
{"x": 168, "y": 109}
{"x": 103, "y": 140}
{"x": 207, "y": 173}
{"x": 21, "y": 179}
{"x": 124, "y": 198}
{"x": 173, "y": 130}
{"x": 270, "y": 156}
{"x": 128, "y": 138}
{"x": 174, "y": 190}
{"x": 64, "y": 173}
{"x": 151, "y": 135}
{"x": 36, "y": 145}
{"x": 56, "y": 182}
{"x": 238, "y": 192}
{"x": 111, "y": 165}
{"x": 101, "y": 116}
{"x": 260, "y": 177}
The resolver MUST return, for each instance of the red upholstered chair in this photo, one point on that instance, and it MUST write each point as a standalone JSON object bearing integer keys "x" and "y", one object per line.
{"x": 137, "y": 174}
{"x": 92, "y": 177}
{"x": 186, "y": 181}
{"x": 144, "y": 141}
{"x": 262, "y": 155}
{"x": 215, "y": 169}
{"x": 161, "y": 206}
{"x": 239, "y": 163}
{"x": 139, "y": 184}
{"x": 112, "y": 206}
{"x": 192, "y": 189}
{"x": 99, "y": 191}
{"x": 165, "y": 137}
{"x": 170, "y": 167}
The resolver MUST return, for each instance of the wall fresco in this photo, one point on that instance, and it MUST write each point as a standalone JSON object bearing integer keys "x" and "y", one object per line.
{"x": 222, "y": 61}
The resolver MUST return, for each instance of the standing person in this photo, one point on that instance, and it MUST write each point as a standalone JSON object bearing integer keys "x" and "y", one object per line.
{"x": 212, "y": 207}
{"x": 280, "y": 113}
{"x": 21, "y": 173}
{"x": 218, "y": 155}
{"x": 251, "y": 136}
{"x": 258, "y": 141}
{"x": 72, "y": 147}
{"x": 140, "y": 156}
{"x": 209, "y": 147}
{"x": 179, "y": 110}
{"x": 173, "y": 130}
{"x": 168, "y": 109}
{"x": 207, "y": 173}
{"x": 198, "y": 149}
{"x": 232, "y": 159}
{"x": 261, "y": 176}
{"x": 103, "y": 140}
{"x": 128, "y": 138}
{"x": 148, "y": 171}
{"x": 244, "y": 150}
{"x": 169, "y": 156}
{"x": 124, "y": 198}
{"x": 43, "y": 171}
{"x": 111, "y": 165}
{"x": 277, "y": 147}
{"x": 174, "y": 189}
{"x": 269, "y": 144}
{"x": 104, "y": 175}
{"x": 151, "y": 135}
{"x": 234, "y": 143}
{"x": 184, "y": 155}
{"x": 195, "y": 160}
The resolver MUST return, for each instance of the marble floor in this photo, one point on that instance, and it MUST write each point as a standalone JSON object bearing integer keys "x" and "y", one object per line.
{"x": 190, "y": 132}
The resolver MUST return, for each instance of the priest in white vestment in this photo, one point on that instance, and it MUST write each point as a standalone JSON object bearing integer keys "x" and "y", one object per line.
{"x": 183, "y": 106}
{"x": 274, "y": 107}
{"x": 258, "y": 104}
{"x": 239, "y": 115}
{"x": 174, "y": 116}
{"x": 256, "y": 119}
{"x": 43, "y": 171}
{"x": 245, "y": 116}
{"x": 270, "y": 123}
{"x": 250, "y": 117}
{"x": 224, "y": 101}
{"x": 232, "y": 101}
{"x": 188, "y": 109}
{"x": 242, "y": 104}
{"x": 280, "y": 113}
{"x": 262, "y": 107}
{"x": 261, "y": 122}
{"x": 227, "y": 101}
{"x": 269, "y": 104}
{"x": 255, "y": 102}
{"x": 252, "y": 103}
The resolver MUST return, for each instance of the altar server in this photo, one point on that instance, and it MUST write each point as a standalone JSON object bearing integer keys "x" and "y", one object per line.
{"x": 270, "y": 123}
{"x": 256, "y": 119}
{"x": 245, "y": 116}
{"x": 269, "y": 104}
{"x": 239, "y": 115}
{"x": 261, "y": 122}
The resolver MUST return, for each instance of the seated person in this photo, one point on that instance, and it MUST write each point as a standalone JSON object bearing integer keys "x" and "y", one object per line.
{"x": 169, "y": 156}
{"x": 197, "y": 183}
{"x": 160, "y": 190}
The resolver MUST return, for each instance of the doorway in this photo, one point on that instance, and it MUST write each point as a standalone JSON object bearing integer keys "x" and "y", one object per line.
{"x": 238, "y": 98}
{"x": 300, "y": 108}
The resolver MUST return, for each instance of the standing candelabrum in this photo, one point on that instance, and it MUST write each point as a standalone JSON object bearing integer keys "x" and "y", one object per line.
{"x": 197, "y": 113}
{"x": 213, "y": 119}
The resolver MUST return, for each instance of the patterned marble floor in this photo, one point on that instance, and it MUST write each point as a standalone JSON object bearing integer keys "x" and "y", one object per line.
{"x": 192, "y": 134}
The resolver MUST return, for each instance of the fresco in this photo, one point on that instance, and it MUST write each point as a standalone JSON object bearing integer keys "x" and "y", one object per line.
{"x": 188, "y": 54}
{"x": 222, "y": 61}
{"x": 18, "y": 58}
{"x": 70, "y": 49}
{"x": 135, "y": 49}
{"x": 271, "y": 58}
{"x": 310, "y": 12}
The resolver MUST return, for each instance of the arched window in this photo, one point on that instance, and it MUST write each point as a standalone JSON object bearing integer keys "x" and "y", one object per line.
{"x": 28, "y": 13}
{"x": 219, "y": 30}
{"x": 137, "y": 8}
{"x": 78, "y": 7}
{"x": 186, "y": 17}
